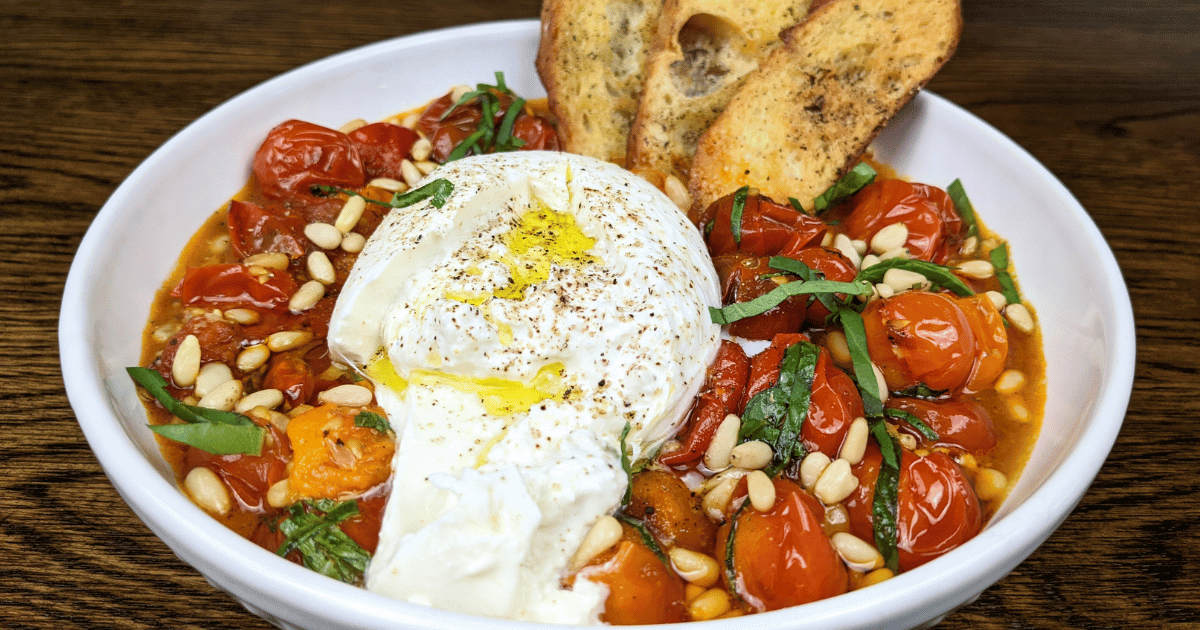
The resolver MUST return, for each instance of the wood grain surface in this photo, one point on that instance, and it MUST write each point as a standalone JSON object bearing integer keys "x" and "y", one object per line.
{"x": 1105, "y": 93}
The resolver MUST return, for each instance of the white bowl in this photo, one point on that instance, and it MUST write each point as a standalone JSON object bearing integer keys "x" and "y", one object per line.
{"x": 1065, "y": 269}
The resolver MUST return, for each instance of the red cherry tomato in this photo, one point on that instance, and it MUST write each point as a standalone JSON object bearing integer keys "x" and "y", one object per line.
{"x": 289, "y": 373}
{"x": 248, "y": 476}
{"x": 364, "y": 528}
{"x": 233, "y": 286}
{"x": 220, "y": 341}
{"x": 919, "y": 336}
{"x": 781, "y": 557}
{"x": 537, "y": 133}
{"x": 447, "y": 133}
{"x": 642, "y": 590}
{"x": 764, "y": 366}
{"x": 991, "y": 341}
{"x": 253, "y": 230}
{"x": 934, "y": 227}
{"x": 719, "y": 398}
{"x": 767, "y": 228}
{"x": 742, "y": 280}
{"x": 958, "y": 423}
{"x": 298, "y": 155}
{"x": 383, "y": 147}
{"x": 834, "y": 266}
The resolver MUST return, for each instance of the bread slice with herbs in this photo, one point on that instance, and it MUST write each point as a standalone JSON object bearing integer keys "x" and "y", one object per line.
{"x": 702, "y": 51}
{"x": 807, "y": 114}
{"x": 592, "y": 59}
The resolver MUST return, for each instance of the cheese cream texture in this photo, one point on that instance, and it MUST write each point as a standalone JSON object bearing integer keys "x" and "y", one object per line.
{"x": 512, "y": 335}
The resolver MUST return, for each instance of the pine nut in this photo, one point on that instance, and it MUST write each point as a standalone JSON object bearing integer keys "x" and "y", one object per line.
{"x": 677, "y": 192}
{"x": 902, "y": 280}
{"x": 858, "y": 554}
{"x": 719, "y": 478}
{"x": 752, "y": 455}
{"x": 605, "y": 533}
{"x": 185, "y": 367}
{"x": 353, "y": 125}
{"x": 827, "y": 240}
{"x": 709, "y": 605}
{"x": 843, "y": 244}
{"x": 306, "y": 296}
{"x": 811, "y": 468}
{"x": 891, "y": 237}
{"x": 211, "y": 376}
{"x": 880, "y": 382}
{"x": 978, "y": 269}
{"x": 279, "y": 494}
{"x": 969, "y": 246}
{"x": 207, "y": 490}
{"x": 323, "y": 235}
{"x": 1010, "y": 381}
{"x": 997, "y": 299}
{"x": 387, "y": 183}
{"x": 760, "y": 490}
{"x": 899, "y": 252}
{"x": 990, "y": 484}
{"x": 876, "y": 576}
{"x": 320, "y": 268}
{"x": 860, "y": 246}
{"x": 165, "y": 332}
{"x": 835, "y": 483}
{"x": 288, "y": 340}
{"x": 907, "y": 441}
{"x": 354, "y": 242}
{"x": 351, "y": 212}
{"x": 839, "y": 349}
{"x": 219, "y": 245}
{"x": 855, "y": 444}
{"x": 457, "y": 92}
{"x": 723, "y": 441}
{"x": 837, "y": 519}
{"x": 265, "y": 398}
{"x": 347, "y": 396}
{"x": 870, "y": 260}
{"x": 884, "y": 290}
{"x": 252, "y": 358}
{"x": 243, "y": 316}
{"x": 1019, "y": 317}
{"x": 425, "y": 166}
{"x": 718, "y": 498}
{"x": 411, "y": 175}
{"x": 1017, "y": 409}
{"x": 421, "y": 149}
{"x": 268, "y": 260}
{"x": 697, "y": 568}
{"x": 223, "y": 396}
{"x": 966, "y": 460}
{"x": 692, "y": 591}
{"x": 410, "y": 121}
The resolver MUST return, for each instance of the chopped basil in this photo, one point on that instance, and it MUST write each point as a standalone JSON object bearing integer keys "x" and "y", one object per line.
{"x": 735, "y": 214}
{"x": 798, "y": 268}
{"x": 939, "y": 275}
{"x": 323, "y": 546}
{"x": 647, "y": 537}
{"x": 708, "y": 227}
{"x": 913, "y": 420}
{"x": 920, "y": 390}
{"x": 505, "y": 141}
{"x": 999, "y": 258}
{"x": 856, "y": 339}
{"x": 965, "y": 210}
{"x": 796, "y": 205}
{"x": 372, "y": 421}
{"x": 626, "y": 465}
{"x": 436, "y": 191}
{"x": 731, "y": 584}
{"x": 210, "y": 430}
{"x": 764, "y": 303}
{"x": 885, "y": 514}
{"x": 487, "y": 137}
{"x": 321, "y": 190}
{"x": 850, "y": 183}
{"x": 776, "y": 415}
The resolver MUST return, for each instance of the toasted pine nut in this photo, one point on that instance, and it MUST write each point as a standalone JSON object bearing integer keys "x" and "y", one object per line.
{"x": 718, "y": 498}
{"x": 410, "y": 121}
{"x": 347, "y": 396}
{"x": 907, "y": 441}
{"x": 752, "y": 455}
{"x": 268, "y": 260}
{"x": 323, "y": 235}
{"x": 223, "y": 396}
{"x": 827, "y": 240}
{"x": 280, "y": 420}
{"x": 990, "y": 483}
{"x": 242, "y": 316}
{"x": 843, "y": 244}
{"x": 891, "y": 237}
{"x": 709, "y": 605}
{"x": 860, "y": 246}
{"x": 252, "y": 358}
{"x": 723, "y": 441}
{"x": 880, "y": 382}
{"x": 697, "y": 568}
{"x": 185, "y": 367}
{"x": 856, "y": 552}
{"x": 266, "y": 398}
{"x": 902, "y": 280}
{"x": 320, "y": 268}
{"x": 279, "y": 494}
{"x": 425, "y": 166}
{"x": 354, "y": 242}
{"x": 299, "y": 409}
{"x": 677, "y": 192}
{"x": 288, "y": 340}
{"x": 885, "y": 291}
{"x": 839, "y": 350}
{"x": 207, "y": 490}
{"x": 306, "y": 296}
{"x": 997, "y": 299}
{"x": 421, "y": 149}
{"x": 411, "y": 175}
{"x": 719, "y": 478}
{"x": 1017, "y": 409}
{"x": 835, "y": 483}
{"x": 1010, "y": 381}
{"x": 1019, "y": 317}
{"x": 966, "y": 460}
{"x": 837, "y": 519}
{"x": 978, "y": 269}
{"x": 969, "y": 246}
{"x": 811, "y": 468}
{"x": 855, "y": 444}
{"x": 211, "y": 376}
{"x": 457, "y": 92}
{"x": 760, "y": 490}
{"x": 351, "y": 212}
{"x": 387, "y": 183}
{"x": 899, "y": 252}
{"x": 876, "y": 576}
{"x": 869, "y": 260}
{"x": 605, "y": 533}
{"x": 353, "y": 125}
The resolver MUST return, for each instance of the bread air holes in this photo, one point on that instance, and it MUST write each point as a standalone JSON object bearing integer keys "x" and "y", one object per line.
{"x": 709, "y": 44}
{"x": 625, "y": 17}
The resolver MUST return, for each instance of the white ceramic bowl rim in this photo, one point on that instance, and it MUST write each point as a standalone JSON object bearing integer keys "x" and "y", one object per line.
{"x": 273, "y": 586}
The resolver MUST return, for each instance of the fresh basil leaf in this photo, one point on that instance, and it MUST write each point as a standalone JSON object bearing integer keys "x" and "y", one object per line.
{"x": 853, "y": 181}
{"x": 920, "y": 390}
{"x": 323, "y": 546}
{"x": 938, "y": 275}
{"x": 764, "y": 303}
{"x": 958, "y": 195}
{"x": 437, "y": 192}
{"x": 1008, "y": 288}
{"x": 731, "y": 582}
{"x": 887, "y": 446}
{"x": 625, "y": 465}
{"x": 735, "y": 213}
{"x": 913, "y": 420}
{"x": 505, "y": 141}
{"x": 154, "y": 383}
{"x": 647, "y": 537}
{"x": 856, "y": 340}
{"x": 470, "y": 142}
{"x": 210, "y": 430}
{"x": 326, "y": 191}
{"x": 789, "y": 446}
{"x": 798, "y": 268}
{"x": 796, "y": 205}
{"x": 885, "y": 507}
{"x": 372, "y": 421}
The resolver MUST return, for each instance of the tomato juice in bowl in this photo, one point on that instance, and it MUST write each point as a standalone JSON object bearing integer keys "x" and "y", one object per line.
{"x": 929, "y": 127}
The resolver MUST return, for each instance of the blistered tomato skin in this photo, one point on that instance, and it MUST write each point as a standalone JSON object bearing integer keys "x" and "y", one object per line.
{"x": 720, "y": 397}
{"x": 255, "y": 230}
{"x": 767, "y": 228}
{"x": 958, "y": 423}
{"x": 744, "y": 278}
{"x": 298, "y": 155}
{"x": 383, "y": 148}
{"x": 233, "y": 286}
{"x": 934, "y": 227}
{"x": 642, "y": 590}
{"x": 920, "y": 337}
{"x": 834, "y": 266}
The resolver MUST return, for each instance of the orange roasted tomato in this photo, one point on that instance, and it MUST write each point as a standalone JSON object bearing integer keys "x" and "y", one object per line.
{"x": 991, "y": 341}
{"x": 781, "y": 557}
{"x": 333, "y": 457}
{"x": 642, "y": 590}
{"x": 934, "y": 227}
{"x": 767, "y": 228}
{"x": 920, "y": 337}
{"x": 298, "y": 155}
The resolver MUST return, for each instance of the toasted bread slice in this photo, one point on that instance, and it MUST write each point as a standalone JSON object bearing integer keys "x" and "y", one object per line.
{"x": 591, "y": 60}
{"x": 702, "y": 51}
{"x": 810, "y": 110}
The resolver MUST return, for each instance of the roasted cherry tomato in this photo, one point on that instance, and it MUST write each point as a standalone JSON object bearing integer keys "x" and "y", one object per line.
{"x": 670, "y": 511}
{"x": 764, "y": 366}
{"x": 834, "y": 266}
{"x": 744, "y": 278}
{"x": 920, "y": 337}
{"x": 290, "y": 374}
{"x": 991, "y": 341}
{"x": 447, "y": 133}
{"x": 383, "y": 147}
{"x": 958, "y": 423}
{"x": 248, "y": 476}
{"x": 220, "y": 341}
{"x": 720, "y": 397}
{"x": 298, "y": 155}
{"x": 364, "y": 528}
{"x": 782, "y": 557}
{"x": 767, "y": 228}
{"x": 334, "y": 456}
{"x": 537, "y": 133}
{"x": 253, "y": 230}
{"x": 937, "y": 507}
{"x": 233, "y": 286}
{"x": 641, "y": 589}
{"x": 934, "y": 227}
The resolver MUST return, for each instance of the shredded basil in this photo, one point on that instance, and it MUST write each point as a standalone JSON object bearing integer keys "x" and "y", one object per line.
{"x": 853, "y": 181}
{"x": 210, "y": 430}
{"x": 856, "y": 340}
{"x": 372, "y": 421}
{"x": 958, "y": 195}
{"x": 626, "y": 465}
{"x": 323, "y": 546}
{"x": 913, "y": 420}
{"x": 939, "y": 275}
{"x": 796, "y": 205}
{"x": 735, "y": 214}
{"x": 920, "y": 390}
{"x": 798, "y": 268}
{"x": 885, "y": 507}
{"x": 647, "y": 537}
{"x": 999, "y": 258}
{"x": 487, "y": 137}
{"x": 764, "y": 303}
{"x": 777, "y": 414}
{"x": 437, "y": 192}
{"x": 730, "y": 571}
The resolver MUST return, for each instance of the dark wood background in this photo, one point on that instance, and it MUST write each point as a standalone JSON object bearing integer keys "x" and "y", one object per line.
{"x": 1105, "y": 93}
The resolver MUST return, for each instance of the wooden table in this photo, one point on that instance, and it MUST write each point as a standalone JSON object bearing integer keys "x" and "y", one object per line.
{"x": 1105, "y": 93}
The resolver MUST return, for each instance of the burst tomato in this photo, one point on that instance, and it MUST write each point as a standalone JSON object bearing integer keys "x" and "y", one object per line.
{"x": 447, "y": 133}
{"x": 722, "y": 391}
{"x": 743, "y": 279}
{"x": 934, "y": 227}
{"x": 290, "y": 374}
{"x": 767, "y": 228}
{"x": 233, "y": 286}
{"x": 958, "y": 423}
{"x": 383, "y": 148}
{"x": 254, "y": 230}
{"x": 920, "y": 337}
{"x": 641, "y": 589}
{"x": 991, "y": 341}
{"x": 834, "y": 266}
{"x": 298, "y": 155}
{"x": 248, "y": 476}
